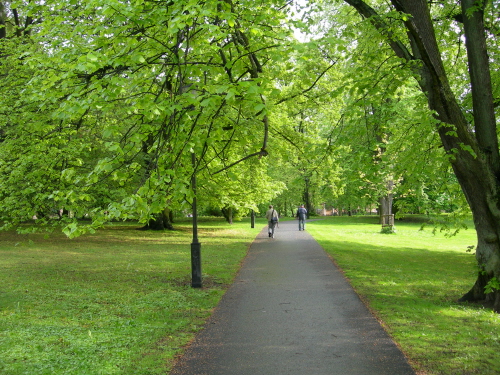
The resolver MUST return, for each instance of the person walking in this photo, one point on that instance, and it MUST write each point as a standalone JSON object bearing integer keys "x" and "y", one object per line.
{"x": 301, "y": 215}
{"x": 272, "y": 220}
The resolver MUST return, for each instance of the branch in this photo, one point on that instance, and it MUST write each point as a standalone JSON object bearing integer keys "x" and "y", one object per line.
{"x": 309, "y": 88}
{"x": 368, "y": 12}
{"x": 261, "y": 153}
{"x": 286, "y": 138}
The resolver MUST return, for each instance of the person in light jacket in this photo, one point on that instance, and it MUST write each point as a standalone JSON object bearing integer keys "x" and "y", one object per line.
{"x": 272, "y": 220}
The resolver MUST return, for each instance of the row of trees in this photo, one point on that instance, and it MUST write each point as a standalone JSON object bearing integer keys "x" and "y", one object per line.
{"x": 109, "y": 107}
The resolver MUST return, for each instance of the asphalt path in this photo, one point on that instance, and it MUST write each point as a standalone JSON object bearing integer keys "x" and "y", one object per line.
{"x": 291, "y": 311}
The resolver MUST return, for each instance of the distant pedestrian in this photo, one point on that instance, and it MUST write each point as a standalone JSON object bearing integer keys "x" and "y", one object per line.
{"x": 272, "y": 220}
{"x": 301, "y": 215}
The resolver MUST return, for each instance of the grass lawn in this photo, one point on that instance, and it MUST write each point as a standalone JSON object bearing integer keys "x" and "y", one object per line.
{"x": 116, "y": 302}
{"x": 411, "y": 280}
{"x": 120, "y": 301}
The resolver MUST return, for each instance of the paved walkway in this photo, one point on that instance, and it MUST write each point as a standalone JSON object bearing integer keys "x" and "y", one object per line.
{"x": 290, "y": 311}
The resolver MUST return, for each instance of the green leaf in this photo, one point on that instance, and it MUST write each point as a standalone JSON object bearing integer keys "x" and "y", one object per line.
{"x": 92, "y": 57}
{"x": 259, "y": 107}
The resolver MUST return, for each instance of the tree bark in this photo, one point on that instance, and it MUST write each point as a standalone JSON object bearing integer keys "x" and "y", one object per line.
{"x": 386, "y": 205}
{"x": 482, "y": 92}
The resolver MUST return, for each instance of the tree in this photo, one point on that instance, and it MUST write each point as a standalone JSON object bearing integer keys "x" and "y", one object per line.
{"x": 130, "y": 92}
{"x": 238, "y": 190}
{"x": 123, "y": 94}
{"x": 470, "y": 142}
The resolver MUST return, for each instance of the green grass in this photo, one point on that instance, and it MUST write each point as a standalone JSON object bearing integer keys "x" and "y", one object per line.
{"x": 411, "y": 280}
{"x": 120, "y": 301}
{"x": 116, "y": 302}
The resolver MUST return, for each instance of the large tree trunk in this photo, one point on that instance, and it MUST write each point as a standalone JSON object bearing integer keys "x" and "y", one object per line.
{"x": 386, "y": 207}
{"x": 473, "y": 153}
{"x": 160, "y": 221}
{"x": 228, "y": 214}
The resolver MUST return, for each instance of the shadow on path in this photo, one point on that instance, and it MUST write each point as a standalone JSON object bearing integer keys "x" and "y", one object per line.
{"x": 291, "y": 311}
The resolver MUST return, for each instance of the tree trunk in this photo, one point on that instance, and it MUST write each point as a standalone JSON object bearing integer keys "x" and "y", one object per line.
{"x": 160, "y": 221}
{"x": 307, "y": 197}
{"x": 228, "y": 214}
{"x": 3, "y": 19}
{"x": 385, "y": 208}
{"x": 386, "y": 204}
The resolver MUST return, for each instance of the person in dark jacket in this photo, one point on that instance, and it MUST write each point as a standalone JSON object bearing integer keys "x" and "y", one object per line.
{"x": 301, "y": 215}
